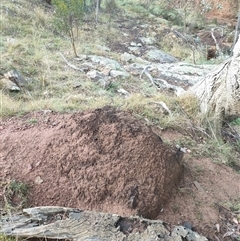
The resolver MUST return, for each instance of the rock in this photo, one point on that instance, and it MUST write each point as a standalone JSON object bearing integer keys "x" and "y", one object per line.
{"x": 13, "y": 81}
{"x": 117, "y": 73}
{"x": 135, "y": 68}
{"x": 38, "y": 180}
{"x": 148, "y": 41}
{"x": 123, "y": 92}
{"x": 126, "y": 57}
{"x": 106, "y": 62}
{"x": 182, "y": 233}
{"x": 135, "y": 50}
{"x": 133, "y": 44}
{"x": 9, "y": 85}
{"x": 104, "y": 48}
{"x": 130, "y": 58}
{"x": 103, "y": 80}
{"x": 81, "y": 57}
{"x": 104, "y": 83}
{"x": 156, "y": 55}
{"x": 178, "y": 74}
{"x": 95, "y": 75}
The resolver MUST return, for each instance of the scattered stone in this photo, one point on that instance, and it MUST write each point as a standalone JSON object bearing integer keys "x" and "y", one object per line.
{"x": 148, "y": 41}
{"x": 117, "y": 73}
{"x": 178, "y": 74}
{"x": 104, "y": 48}
{"x": 104, "y": 83}
{"x": 135, "y": 50}
{"x": 95, "y": 75}
{"x": 107, "y": 62}
{"x": 81, "y": 57}
{"x": 182, "y": 233}
{"x": 133, "y": 44}
{"x": 38, "y": 180}
{"x": 156, "y": 55}
{"x": 9, "y": 85}
{"x": 126, "y": 57}
{"x": 13, "y": 81}
{"x": 198, "y": 186}
{"x": 123, "y": 92}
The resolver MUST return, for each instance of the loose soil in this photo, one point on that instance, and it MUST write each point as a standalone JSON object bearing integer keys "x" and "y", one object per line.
{"x": 108, "y": 160}
{"x": 104, "y": 160}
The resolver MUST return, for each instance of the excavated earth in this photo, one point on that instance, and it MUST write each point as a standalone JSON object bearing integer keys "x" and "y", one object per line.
{"x": 104, "y": 160}
{"x": 109, "y": 160}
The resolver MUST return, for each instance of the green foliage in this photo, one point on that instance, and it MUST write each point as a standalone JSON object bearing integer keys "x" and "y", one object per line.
{"x": 69, "y": 14}
{"x": 15, "y": 193}
{"x": 236, "y": 122}
{"x": 6, "y": 238}
{"x": 218, "y": 151}
{"x": 111, "y": 6}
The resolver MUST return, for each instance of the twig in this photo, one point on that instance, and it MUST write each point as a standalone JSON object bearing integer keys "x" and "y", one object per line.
{"x": 215, "y": 40}
{"x": 148, "y": 75}
{"x": 211, "y": 129}
{"x": 164, "y": 85}
{"x": 178, "y": 90}
{"x": 69, "y": 64}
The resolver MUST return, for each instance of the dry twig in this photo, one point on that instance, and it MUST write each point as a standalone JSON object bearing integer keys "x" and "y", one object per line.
{"x": 69, "y": 64}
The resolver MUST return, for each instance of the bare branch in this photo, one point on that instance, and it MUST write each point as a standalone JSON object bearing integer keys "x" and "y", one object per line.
{"x": 215, "y": 40}
{"x": 69, "y": 64}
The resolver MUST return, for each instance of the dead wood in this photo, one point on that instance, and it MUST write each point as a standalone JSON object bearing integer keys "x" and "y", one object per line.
{"x": 70, "y": 64}
{"x": 219, "y": 91}
{"x": 52, "y": 222}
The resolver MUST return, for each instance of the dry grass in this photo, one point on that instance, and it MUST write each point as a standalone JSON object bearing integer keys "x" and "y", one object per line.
{"x": 31, "y": 45}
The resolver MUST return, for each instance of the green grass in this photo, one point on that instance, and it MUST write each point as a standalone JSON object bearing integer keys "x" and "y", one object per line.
{"x": 6, "y": 238}
{"x": 15, "y": 193}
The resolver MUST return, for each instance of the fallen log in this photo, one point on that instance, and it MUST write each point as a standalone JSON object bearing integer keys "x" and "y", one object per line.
{"x": 52, "y": 222}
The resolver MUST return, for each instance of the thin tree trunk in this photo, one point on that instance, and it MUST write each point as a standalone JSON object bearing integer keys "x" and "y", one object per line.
{"x": 97, "y": 10}
{"x": 71, "y": 35}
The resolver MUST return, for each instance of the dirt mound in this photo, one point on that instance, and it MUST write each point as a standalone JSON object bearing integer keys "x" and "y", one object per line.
{"x": 104, "y": 160}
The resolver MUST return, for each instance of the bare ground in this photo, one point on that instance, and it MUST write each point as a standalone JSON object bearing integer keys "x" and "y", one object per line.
{"x": 106, "y": 160}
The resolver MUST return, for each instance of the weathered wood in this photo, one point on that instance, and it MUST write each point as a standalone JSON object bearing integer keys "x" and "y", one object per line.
{"x": 73, "y": 224}
{"x": 219, "y": 91}
{"x": 237, "y": 31}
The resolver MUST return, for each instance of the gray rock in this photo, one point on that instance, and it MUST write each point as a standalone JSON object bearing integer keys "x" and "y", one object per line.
{"x": 123, "y": 92}
{"x": 13, "y": 81}
{"x": 106, "y": 62}
{"x": 156, "y": 55}
{"x": 104, "y": 48}
{"x": 130, "y": 58}
{"x": 148, "y": 41}
{"x": 95, "y": 75}
{"x": 185, "y": 233}
{"x": 134, "y": 50}
{"x": 178, "y": 74}
{"x": 9, "y": 85}
{"x": 126, "y": 57}
{"x": 118, "y": 73}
